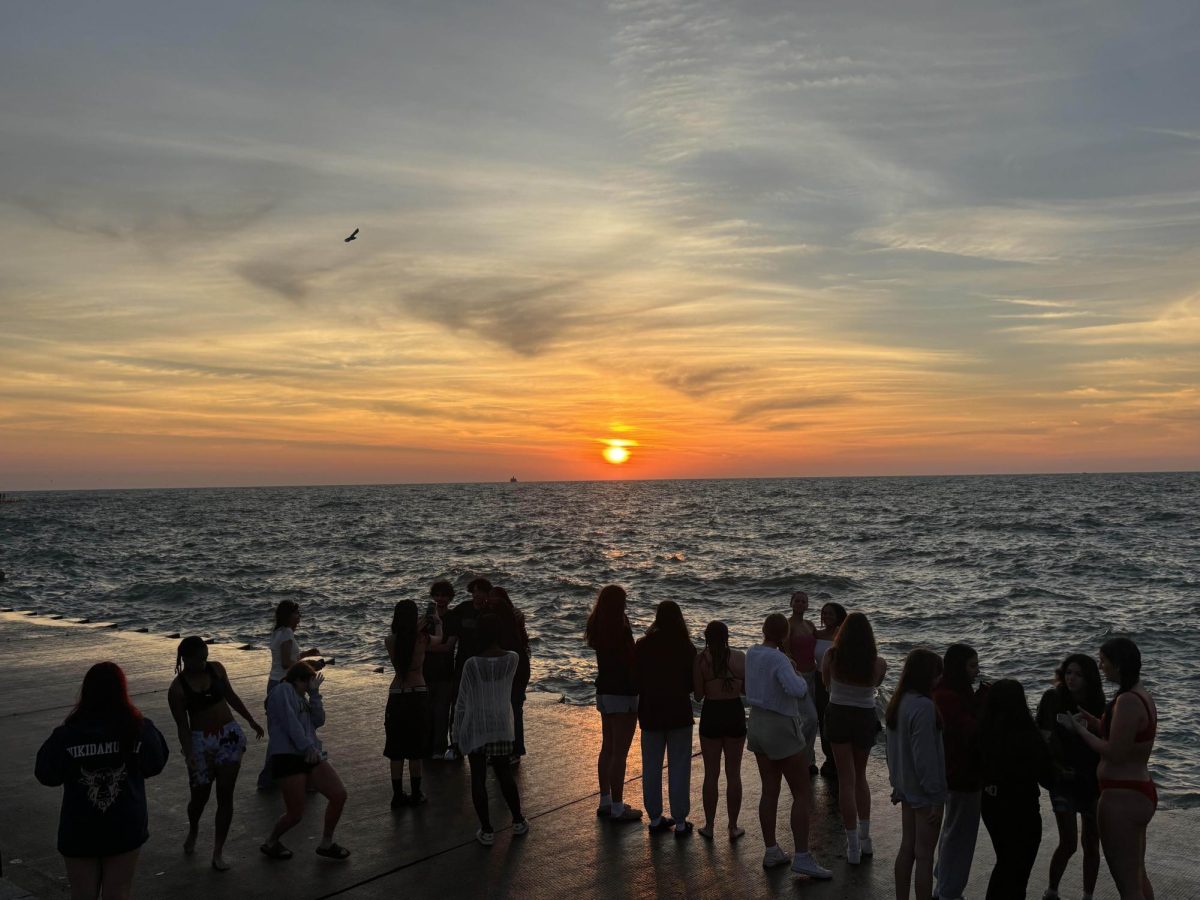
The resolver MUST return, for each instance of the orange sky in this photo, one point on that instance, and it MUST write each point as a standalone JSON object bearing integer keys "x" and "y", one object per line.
{"x": 747, "y": 245}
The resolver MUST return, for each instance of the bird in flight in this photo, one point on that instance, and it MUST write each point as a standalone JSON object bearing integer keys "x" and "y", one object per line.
{"x": 353, "y": 236}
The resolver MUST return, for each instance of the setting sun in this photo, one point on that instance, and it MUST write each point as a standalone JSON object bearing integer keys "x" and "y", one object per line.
{"x": 616, "y": 455}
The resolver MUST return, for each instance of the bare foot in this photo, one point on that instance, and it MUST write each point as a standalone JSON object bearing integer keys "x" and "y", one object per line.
{"x": 735, "y": 832}
{"x": 218, "y": 863}
{"x": 189, "y": 843}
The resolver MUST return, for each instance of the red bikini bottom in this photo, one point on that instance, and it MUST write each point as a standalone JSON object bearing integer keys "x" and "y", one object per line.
{"x": 1146, "y": 788}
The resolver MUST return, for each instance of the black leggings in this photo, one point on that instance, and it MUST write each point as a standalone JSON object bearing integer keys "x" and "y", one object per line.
{"x": 1016, "y": 832}
{"x": 479, "y": 793}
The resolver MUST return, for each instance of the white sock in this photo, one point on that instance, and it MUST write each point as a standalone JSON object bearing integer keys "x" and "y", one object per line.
{"x": 864, "y": 828}
{"x": 606, "y": 799}
{"x": 852, "y": 839}
{"x": 618, "y": 807}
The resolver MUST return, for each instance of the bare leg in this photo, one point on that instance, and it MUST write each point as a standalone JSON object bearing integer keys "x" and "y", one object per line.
{"x": 116, "y": 878}
{"x": 1090, "y": 840}
{"x": 293, "y": 789}
{"x": 862, "y": 787}
{"x": 83, "y": 874}
{"x": 924, "y": 846}
{"x": 604, "y": 759}
{"x": 1068, "y": 840}
{"x": 226, "y": 781}
{"x": 396, "y": 767}
{"x": 907, "y": 854}
{"x": 734, "y": 747}
{"x": 795, "y": 770}
{"x": 710, "y": 749}
{"x": 1123, "y": 816}
{"x": 770, "y": 773}
{"x": 195, "y": 809}
{"x": 623, "y": 727}
{"x": 327, "y": 782}
{"x": 843, "y": 756}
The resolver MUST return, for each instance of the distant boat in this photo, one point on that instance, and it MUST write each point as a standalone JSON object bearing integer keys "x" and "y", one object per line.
{"x": 513, "y": 480}
{"x": 5, "y": 498}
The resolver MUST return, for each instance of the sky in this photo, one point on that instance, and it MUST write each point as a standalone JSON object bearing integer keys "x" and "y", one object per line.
{"x": 728, "y": 238}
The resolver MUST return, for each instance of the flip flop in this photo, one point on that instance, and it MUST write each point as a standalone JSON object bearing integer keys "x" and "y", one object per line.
{"x": 276, "y": 851}
{"x": 333, "y": 851}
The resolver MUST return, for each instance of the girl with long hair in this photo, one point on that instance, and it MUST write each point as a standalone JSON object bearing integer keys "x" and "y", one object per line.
{"x": 832, "y": 617}
{"x": 917, "y": 769}
{"x": 608, "y": 633}
{"x": 959, "y": 703}
{"x": 514, "y": 637}
{"x": 285, "y": 653}
{"x": 719, "y": 679}
{"x": 295, "y": 710}
{"x": 776, "y": 738}
{"x": 802, "y": 648}
{"x": 1014, "y": 760}
{"x": 665, "y": 658}
{"x": 202, "y": 700}
{"x": 483, "y": 725}
{"x": 853, "y": 669}
{"x": 408, "y": 718}
{"x": 1074, "y": 791}
{"x": 102, "y": 755}
{"x": 1123, "y": 737}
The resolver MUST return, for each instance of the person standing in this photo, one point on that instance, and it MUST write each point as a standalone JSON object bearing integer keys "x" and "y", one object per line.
{"x": 102, "y": 755}
{"x": 775, "y": 736}
{"x": 958, "y": 704}
{"x": 408, "y": 716}
{"x": 802, "y": 647}
{"x": 720, "y": 676}
{"x": 295, "y": 710}
{"x": 285, "y": 653}
{"x": 439, "y": 669}
{"x": 1014, "y": 760}
{"x": 916, "y": 760}
{"x": 201, "y": 698}
{"x": 514, "y": 637}
{"x": 608, "y": 633}
{"x": 483, "y": 725}
{"x": 463, "y": 625}
{"x": 853, "y": 669}
{"x": 832, "y": 617}
{"x": 664, "y": 658}
{"x": 1074, "y": 791}
{"x": 1123, "y": 737}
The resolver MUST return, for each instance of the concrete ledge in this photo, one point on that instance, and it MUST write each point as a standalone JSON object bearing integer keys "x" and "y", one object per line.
{"x": 430, "y": 851}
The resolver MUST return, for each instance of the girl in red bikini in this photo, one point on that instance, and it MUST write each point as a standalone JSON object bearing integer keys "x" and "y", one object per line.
{"x": 1124, "y": 737}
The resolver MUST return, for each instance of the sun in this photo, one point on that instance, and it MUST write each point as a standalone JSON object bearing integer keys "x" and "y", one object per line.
{"x": 615, "y": 455}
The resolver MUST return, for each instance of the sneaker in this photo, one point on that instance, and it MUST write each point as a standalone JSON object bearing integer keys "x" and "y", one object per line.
{"x": 604, "y": 809}
{"x": 854, "y": 854}
{"x": 775, "y": 857}
{"x": 664, "y": 824}
{"x": 685, "y": 830}
{"x": 451, "y": 755}
{"x": 417, "y": 798}
{"x": 486, "y": 838}
{"x": 865, "y": 847}
{"x": 399, "y": 800}
{"x": 628, "y": 814}
{"x": 804, "y": 864}
{"x": 521, "y": 827}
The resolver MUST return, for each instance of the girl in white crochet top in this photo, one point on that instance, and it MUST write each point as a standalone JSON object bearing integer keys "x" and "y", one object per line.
{"x": 483, "y": 726}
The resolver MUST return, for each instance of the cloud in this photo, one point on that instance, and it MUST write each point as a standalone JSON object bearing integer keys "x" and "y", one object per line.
{"x": 701, "y": 381}
{"x": 751, "y": 411}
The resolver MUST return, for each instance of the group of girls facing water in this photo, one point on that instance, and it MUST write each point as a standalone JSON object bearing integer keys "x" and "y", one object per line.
{"x": 957, "y": 754}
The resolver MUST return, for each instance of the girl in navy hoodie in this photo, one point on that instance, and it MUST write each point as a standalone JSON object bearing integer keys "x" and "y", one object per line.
{"x": 101, "y": 755}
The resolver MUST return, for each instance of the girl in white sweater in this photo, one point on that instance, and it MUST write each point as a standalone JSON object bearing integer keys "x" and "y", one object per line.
{"x": 483, "y": 726}
{"x": 917, "y": 769}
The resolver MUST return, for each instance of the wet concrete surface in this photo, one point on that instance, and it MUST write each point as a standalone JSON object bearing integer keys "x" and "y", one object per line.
{"x": 430, "y": 851}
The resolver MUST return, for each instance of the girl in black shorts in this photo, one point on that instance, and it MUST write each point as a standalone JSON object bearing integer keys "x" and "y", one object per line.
{"x": 719, "y": 675}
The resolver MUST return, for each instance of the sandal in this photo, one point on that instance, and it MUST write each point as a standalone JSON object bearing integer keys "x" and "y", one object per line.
{"x": 276, "y": 851}
{"x": 333, "y": 851}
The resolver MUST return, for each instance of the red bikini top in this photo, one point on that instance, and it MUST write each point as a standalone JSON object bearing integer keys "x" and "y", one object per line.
{"x": 1145, "y": 735}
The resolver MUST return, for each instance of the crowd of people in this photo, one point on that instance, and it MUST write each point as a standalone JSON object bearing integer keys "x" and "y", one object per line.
{"x": 959, "y": 752}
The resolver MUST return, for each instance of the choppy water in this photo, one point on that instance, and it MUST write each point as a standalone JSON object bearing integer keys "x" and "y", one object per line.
{"x": 1026, "y": 568}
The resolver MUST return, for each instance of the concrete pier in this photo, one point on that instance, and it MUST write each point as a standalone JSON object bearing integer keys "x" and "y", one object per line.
{"x": 430, "y": 851}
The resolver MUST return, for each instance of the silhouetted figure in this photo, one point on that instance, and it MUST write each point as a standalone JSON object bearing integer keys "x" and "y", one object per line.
{"x": 439, "y": 668}
{"x": 719, "y": 676}
{"x": 101, "y": 755}
{"x": 408, "y": 717}
{"x": 353, "y": 236}
{"x": 212, "y": 743}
